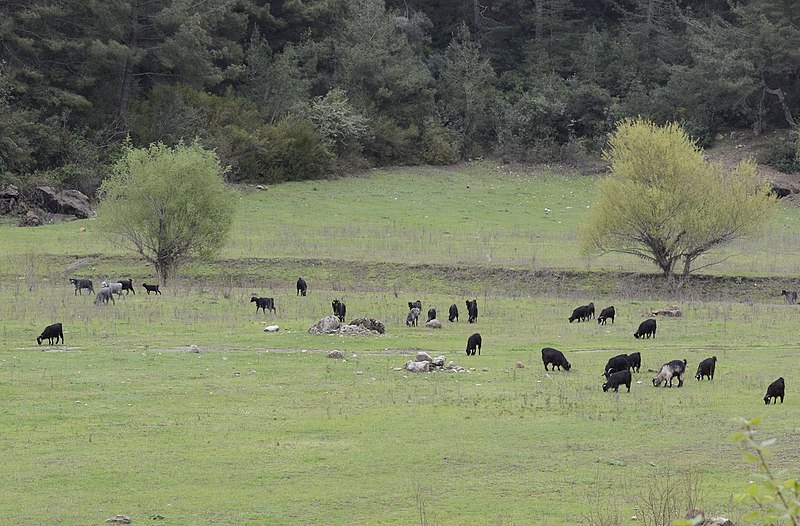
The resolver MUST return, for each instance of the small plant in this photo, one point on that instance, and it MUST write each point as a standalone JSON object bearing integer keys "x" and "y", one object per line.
{"x": 776, "y": 496}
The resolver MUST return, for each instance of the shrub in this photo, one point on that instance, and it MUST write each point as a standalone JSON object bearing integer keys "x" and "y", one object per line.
{"x": 440, "y": 145}
{"x": 782, "y": 155}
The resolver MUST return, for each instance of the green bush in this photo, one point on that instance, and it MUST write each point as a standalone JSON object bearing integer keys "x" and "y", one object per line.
{"x": 782, "y": 155}
{"x": 439, "y": 144}
{"x": 290, "y": 150}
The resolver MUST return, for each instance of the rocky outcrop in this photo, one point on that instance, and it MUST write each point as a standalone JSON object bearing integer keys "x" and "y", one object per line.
{"x": 47, "y": 204}
{"x": 326, "y": 325}
{"x": 370, "y": 324}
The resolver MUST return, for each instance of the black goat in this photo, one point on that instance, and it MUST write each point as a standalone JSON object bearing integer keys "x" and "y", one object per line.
{"x": 616, "y": 379}
{"x": 431, "y": 315}
{"x": 635, "y": 361}
{"x": 605, "y": 314}
{"x": 81, "y": 284}
{"x": 51, "y": 332}
{"x": 127, "y": 285}
{"x": 151, "y": 288}
{"x": 706, "y": 368}
{"x": 473, "y": 344}
{"x": 339, "y": 309}
{"x": 774, "y": 391}
{"x": 616, "y": 364}
{"x": 556, "y": 358}
{"x": 265, "y": 304}
{"x": 646, "y": 329}
{"x": 301, "y": 287}
{"x": 453, "y": 313}
{"x": 472, "y": 310}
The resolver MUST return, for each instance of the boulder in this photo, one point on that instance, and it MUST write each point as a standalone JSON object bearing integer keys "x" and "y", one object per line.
{"x": 119, "y": 519}
{"x": 438, "y": 361}
{"x": 7, "y": 205}
{"x": 337, "y": 355}
{"x": 326, "y": 325}
{"x": 671, "y": 312}
{"x": 422, "y": 356}
{"x": 9, "y": 192}
{"x": 434, "y": 324}
{"x": 519, "y": 365}
{"x": 45, "y": 197}
{"x": 30, "y": 219}
{"x": 73, "y": 202}
{"x": 271, "y": 328}
{"x": 370, "y": 324}
{"x": 60, "y": 218}
{"x": 417, "y": 367}
{"x": 194, "y": 348}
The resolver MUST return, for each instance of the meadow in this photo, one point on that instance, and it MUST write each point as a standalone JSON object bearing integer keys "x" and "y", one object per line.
{"x": 263, "y": 428}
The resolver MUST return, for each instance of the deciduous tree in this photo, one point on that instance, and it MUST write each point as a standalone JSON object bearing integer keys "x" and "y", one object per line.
{"x": 664, "y": 203}
{"x": 170, "y": 204}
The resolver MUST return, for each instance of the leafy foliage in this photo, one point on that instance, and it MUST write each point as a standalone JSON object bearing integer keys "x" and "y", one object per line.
{"x": 169, "y": 203}
{"x": 664, "y": 203}
{"x": 775, "y": 494}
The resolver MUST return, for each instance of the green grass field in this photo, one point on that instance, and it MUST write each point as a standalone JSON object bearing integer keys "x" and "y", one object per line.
{"x": 262, "y": 428}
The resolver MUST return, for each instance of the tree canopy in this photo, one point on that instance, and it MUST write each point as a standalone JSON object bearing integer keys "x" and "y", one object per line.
{"x": 434, "y": 81}
{"x": 168, "y": 203}
{"x": 663, "y": 202}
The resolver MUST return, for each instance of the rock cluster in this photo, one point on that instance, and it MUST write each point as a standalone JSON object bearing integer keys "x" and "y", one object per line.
{"x": 44, "y": 204}
{"x": 423, "y": 363}
{"x": 362, "y": 326}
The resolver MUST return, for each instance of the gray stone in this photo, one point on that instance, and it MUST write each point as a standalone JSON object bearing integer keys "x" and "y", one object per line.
{"x": 326, "y": 325}
{"x": 337, "y": 355}
{"x": 30, "y": 219}
{"x": 7, "y": 205}
{"x": 422, "y": 356}
{"x": 370, "y": 324}
{"x": 271, "y": 328}
{"x": 434, "y": 324}
{"x": 438, "y": 361}
{"x": 73, "y": 202}
{"x": 9, "y": 192}
{"x": 417, "y": 367}
{"x": 45, "y": 197}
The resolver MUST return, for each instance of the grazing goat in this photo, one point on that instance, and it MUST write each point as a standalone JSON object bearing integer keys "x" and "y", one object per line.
{"x": 151, "y": 288}
{"x": 51, "y": 332}
{"x": 646, "y": 329}
{"x": 605, "y": 314}
{"x": 104, "y": 295}
{"x": 472, "y": 311}
{"x": 413, "y": 316}
{"x": 453, "y": 313}
{"x": 616, "y": 364}
{"x": 127, "y": 286}
{"x": 473, "y": 344}
{"x": 582, "y": 313}
{"x": 81, "y": 284}
{"x": 706, "y": 368}
{"x": 634, "y": 361}
{"x": 616, "y": 379}
{"x": 431, "y": 315}
{"x": 339, "y": 309}
{"x": 265, "y": 304}
{"x": 301, "y": 287}
{"x": 556, "y": 358}
{"x": 789, "y": 296}
{"x": 670, "y": 370}
{"x": 115, "y": 287}
{"x": 775, "y": 391}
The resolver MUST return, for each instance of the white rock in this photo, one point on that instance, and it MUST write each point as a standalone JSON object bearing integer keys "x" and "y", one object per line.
{"x": 422, "y": 356}
{"x": 271, "y": 328}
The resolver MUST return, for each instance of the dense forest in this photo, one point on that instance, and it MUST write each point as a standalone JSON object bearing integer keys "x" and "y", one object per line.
{"x": 300, "y": 89}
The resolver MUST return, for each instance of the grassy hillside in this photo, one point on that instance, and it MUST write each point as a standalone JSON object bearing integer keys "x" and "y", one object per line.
{"x": 262, "y": 428}
{"x": 478, "y": 214}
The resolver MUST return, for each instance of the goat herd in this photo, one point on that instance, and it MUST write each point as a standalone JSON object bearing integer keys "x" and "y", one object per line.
{"x": 617, "y": 370}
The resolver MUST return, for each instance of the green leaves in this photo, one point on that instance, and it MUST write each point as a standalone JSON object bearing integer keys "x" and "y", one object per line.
{"x": 170, "y": 204}
{"x": 664, "y": 203}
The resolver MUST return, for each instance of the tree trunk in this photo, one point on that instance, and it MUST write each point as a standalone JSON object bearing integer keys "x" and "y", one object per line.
{"x": 539, "y": 22}
{"x": 787, "y": 112}
{"x": 127, "y": 70}
{"x": 649, "y": 19}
